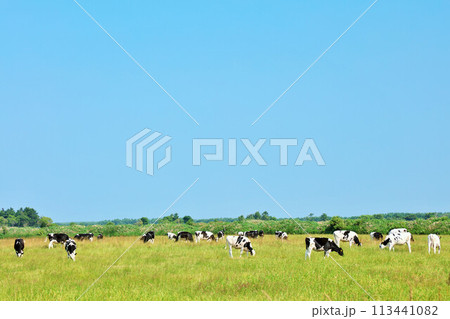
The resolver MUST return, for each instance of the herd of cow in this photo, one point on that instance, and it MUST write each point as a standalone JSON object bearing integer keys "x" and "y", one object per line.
{"x": 396, "y": 236}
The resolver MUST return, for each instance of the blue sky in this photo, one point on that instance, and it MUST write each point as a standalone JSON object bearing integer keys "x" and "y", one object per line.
{"x": 376, "y": 105}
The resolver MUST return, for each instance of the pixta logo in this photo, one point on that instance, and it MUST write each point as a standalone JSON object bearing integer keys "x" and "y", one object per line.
{"x": 141, "y": 150}
{"x": 143, "y": 146}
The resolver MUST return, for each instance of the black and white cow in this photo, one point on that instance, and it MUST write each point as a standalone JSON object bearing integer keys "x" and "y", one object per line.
{"x": 204, "y": 235}
{"x": 57, "y": 238}
{"x": 71, "y": 248}
{"x": 19, "y": 246}
{"x": 397, "y": 238}
{"x": 254, "y": 233}
{"x": 171, "y": 236}
{"x": 184, "y": 235}
{"x": 376, "y": 235}
{"x": 240, "y": 242}
{"x": 82, "y": 237}
{"x": 281, "y": 235}
{"x": 321, "y": 244}
{"x": 100, "y": 236}
{"x": 434, "y": 241}
{"x": 221, "y": 234}
{"x": 346, "y": 235}
{"x": 148, "y": 236}
{"x": 240, "y": 233}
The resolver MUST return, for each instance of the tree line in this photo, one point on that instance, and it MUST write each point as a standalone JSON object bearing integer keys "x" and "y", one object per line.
{"x": 29, "y": 217}
{"x": 23, "y": 217}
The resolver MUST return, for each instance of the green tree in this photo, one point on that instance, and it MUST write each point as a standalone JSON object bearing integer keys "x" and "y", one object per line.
{"x": 188, "y": 219}
{"x": 335, "y": 223}
{"x": 145, "y": 220}
{"x": 45, "y": 222}
{"x": 241, "y": 218}
{"x": 324, "y": 217}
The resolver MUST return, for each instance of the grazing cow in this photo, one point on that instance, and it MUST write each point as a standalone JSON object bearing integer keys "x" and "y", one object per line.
{"x": 100, "y": 236}
{"x": 148, "y": 236}
{"x": 346, "y": 235}
{"x": 171, "y": 236}
{"x": 397, "y": 238}
{"x": 252, "y": 234}
{"x": 221, "y": 234}
{"x": 57, "y": 238}
{"x": 241, "y": 233}
{"x": 240, "y": 242}
{"x": 82, "y": 237}
{"x": 281, "y": 235}
{"x": 321, "y": 244}
{"x": 71, "y": 248}
{"x": 376, "y": 235}
{"x": 184, "y": 235}
{"x": 434, "y": 241}
{"x": 205, "y": 235}
{"x": 19, "y": 246}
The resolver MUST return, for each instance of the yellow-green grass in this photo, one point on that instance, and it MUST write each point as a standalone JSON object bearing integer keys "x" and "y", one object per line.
{"x": 184, "y": 271}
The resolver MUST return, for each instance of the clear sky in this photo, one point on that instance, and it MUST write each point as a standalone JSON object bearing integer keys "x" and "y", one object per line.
{"x": 376, "y": 105}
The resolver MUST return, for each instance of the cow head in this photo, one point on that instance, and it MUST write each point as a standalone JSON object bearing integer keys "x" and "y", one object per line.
{"x": 385, "y": 243}
{"x": 356, "y": 240}
{"x": 248, "y": 247}
{"x": 340, "y": 251}
{"x": 261, "y": 233}
{"x": 19, "y": 253}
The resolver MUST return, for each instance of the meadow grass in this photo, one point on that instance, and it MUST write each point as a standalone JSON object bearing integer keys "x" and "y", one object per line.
{"x": 186, "y": 271}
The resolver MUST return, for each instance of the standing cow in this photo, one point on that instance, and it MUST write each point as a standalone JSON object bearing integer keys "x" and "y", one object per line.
{"x": 60, "y": 238}
{"x": 204, "y": 235}
{"x": 221, "y": 234}
{"x": 346, "y": 235}
{"x": 434, "y": 241}
{"x": 281, "y": 235}
{"x": 254, "y": 233}
{"x": 71, "y": 248}
{"x": 19, "y": 246}
{"x": 397, "y": 238}
{"x": 82, "y": 237}
{"x": 240, "y": 242}
{"x": 148, "y": 236}
{"x": 184, "y": 235}
{"x": 321, "y": 244}
{"x": 376, "y": 235}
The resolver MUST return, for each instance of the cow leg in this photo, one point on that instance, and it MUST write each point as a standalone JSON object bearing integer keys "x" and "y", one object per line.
{"x": 409, "y": 246}
{"x": 308, "y": 253}
{"x": 439, "y": 249}
{"x": 242, "y": 250}
{"x": 429, "y": 247}
{"x": 434, "y": 248}
{"x": 350, "y": 242}
{"x": 229, "y": 249}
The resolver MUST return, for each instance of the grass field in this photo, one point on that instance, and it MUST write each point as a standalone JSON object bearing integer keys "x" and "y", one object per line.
{"x": 186, "y": 271}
